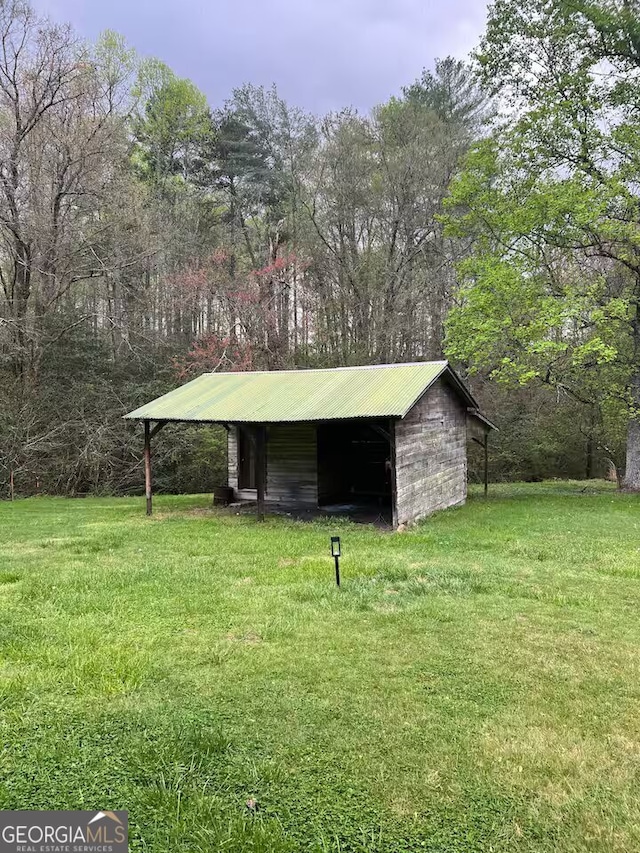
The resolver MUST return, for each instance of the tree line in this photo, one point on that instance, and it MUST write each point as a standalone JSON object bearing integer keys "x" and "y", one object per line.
{"x": 483, "y": 213}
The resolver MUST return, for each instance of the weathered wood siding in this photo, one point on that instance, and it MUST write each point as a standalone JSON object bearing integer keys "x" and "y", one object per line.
{"x": 232, "y": 458}
{"x": 232, "y": 461}
{"x": 292, "y": 463}
{"x": 233, "y": 467}
{"x": 431, "y": 455}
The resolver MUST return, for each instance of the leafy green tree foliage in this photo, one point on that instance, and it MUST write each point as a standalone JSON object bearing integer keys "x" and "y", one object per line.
{"x": 171, "y": 125}
{"x": 374, "y": 193}
{"x": 544, "y": 433}
{"x": 62, "y": 148}
{"x": 263, "y": 142}
{"x": 239, "y": 157}
{"x": 260, "y": 153}
{"x": 551, "y": 289}
{"x": 452, "y": 92}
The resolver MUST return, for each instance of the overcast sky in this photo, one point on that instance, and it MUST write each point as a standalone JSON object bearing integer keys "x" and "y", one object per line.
{"x": 321, "y": 54}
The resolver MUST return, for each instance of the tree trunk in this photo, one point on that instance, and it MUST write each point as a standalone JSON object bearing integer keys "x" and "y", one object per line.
{"x": 632, "y": 472}
{"x": 21, "y": 296}
{"x": 589, "y": 458}
{"x": 590, "y": 445}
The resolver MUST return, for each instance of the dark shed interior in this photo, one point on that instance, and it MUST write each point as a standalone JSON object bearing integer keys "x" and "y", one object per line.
{"x": 354, "y": 464}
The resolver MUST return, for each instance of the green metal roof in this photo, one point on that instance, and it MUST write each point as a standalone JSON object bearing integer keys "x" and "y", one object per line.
{"x": 287, "y": 396}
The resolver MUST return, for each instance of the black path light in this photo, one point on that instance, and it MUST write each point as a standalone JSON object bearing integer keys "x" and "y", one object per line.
{"x": 335, "y": 553}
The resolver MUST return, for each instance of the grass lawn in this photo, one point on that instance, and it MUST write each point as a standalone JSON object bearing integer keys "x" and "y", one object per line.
{"x": 474, "y": 686}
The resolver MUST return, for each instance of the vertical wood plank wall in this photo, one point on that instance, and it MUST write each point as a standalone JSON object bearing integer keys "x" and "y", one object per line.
{"x": 232, "y": 458}
{"x": 431, "y": 455}
{"x": 292, "y": 465}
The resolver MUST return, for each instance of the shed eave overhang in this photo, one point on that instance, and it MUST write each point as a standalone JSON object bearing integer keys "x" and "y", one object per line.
{"x": 371, "y": 392}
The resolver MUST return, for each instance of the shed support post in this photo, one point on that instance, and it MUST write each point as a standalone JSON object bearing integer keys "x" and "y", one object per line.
{"x": 148, "y": 435}
{"x": 261, "y": 431}
{"x": 394, "y": 483}
{"x": 147, "y": 467}
{"x": 486, "y": 464}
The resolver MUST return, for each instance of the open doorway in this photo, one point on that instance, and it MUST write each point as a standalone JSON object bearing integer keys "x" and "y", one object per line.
{"x": 246, "y": 461}
{"x": 354, "y": 466}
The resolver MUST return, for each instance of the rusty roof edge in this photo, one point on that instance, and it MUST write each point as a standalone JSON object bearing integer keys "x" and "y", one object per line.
{"x": 460, "y": 387}
{"x": 474, "y": 408}
{"x": 476, "y": 413}
{"x": 134, "y": 416}
{"x": 143, "y": 413}
{"x": 443, "y": 362}
{"x": 445, "y": 365}
{"x": 181, "y": 420}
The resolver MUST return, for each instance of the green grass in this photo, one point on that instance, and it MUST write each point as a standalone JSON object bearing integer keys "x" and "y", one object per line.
{"x": 474, "y": 686}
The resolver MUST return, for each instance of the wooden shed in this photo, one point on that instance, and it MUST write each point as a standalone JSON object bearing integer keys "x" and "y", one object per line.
{"x": 393, "y": 436}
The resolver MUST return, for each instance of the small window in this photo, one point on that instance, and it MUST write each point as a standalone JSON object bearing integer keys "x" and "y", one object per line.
{"x": 246, "y": 461}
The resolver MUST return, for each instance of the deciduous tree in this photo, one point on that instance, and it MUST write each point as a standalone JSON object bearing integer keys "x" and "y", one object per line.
{"x": 551, "y": 291}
